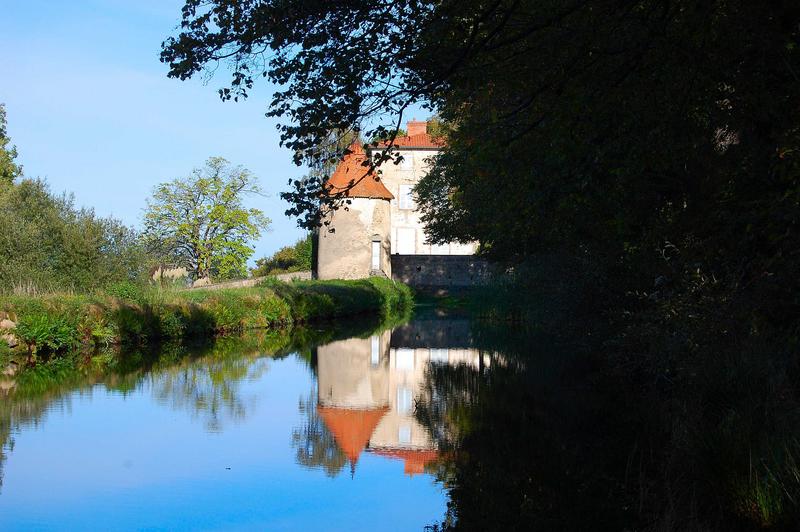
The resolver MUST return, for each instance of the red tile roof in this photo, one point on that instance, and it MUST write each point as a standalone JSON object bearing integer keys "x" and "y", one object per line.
{"x": 352, "y": 179}
{"x": 422, "y": 140}
{"x": 414, "y": 460}
{"x": 351, "y": 428}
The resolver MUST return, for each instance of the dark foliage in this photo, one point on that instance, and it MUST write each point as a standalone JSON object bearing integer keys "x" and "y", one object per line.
{"x": 651, "y": 146}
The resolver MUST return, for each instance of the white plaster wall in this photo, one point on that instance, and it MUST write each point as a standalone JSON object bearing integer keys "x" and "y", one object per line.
{"x": 416, "y": 164}
{"x": 347, "y": 377}
{"x": 346, "y": 253}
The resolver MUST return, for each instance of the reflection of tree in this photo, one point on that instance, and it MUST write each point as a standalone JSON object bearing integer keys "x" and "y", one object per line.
{"x": 444, "y": 407}
{"x": 5, "y": 441}
{"x": 202, "y": 379}
{"x": 16, "y": 412}
{"x": 316, "y": 447}
{"x": 530, "y": 443}
{"x": 209, "y": 387}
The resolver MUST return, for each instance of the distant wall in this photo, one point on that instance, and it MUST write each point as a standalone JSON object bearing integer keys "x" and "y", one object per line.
{"x": 440, "y": 270}
{"x": 244, "y": 283}
{"x": 447, "y": 333}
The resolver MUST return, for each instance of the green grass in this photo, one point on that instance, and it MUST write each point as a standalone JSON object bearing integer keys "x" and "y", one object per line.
{"x": 55, "y": 324}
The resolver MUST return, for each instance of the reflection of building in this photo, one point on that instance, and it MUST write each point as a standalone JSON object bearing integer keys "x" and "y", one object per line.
{"x": 368, "y": 388}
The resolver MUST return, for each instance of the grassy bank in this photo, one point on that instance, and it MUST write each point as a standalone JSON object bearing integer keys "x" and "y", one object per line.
{"x": 54, "y": 324}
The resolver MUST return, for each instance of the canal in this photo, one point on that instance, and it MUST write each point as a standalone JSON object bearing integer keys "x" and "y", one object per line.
{"x": 436, "y": 423}
{"x": 328, "y": 436}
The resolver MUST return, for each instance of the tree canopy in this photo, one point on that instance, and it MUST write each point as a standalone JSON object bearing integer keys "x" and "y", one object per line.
{"x": 47, "y": 243}
{"x": 657, "y": 138}
{"x": 201, "y": 223}
{"x": 9, "y": 169}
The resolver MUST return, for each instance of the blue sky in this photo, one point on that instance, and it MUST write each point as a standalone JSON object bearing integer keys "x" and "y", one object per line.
{"x": 91, "y": 110}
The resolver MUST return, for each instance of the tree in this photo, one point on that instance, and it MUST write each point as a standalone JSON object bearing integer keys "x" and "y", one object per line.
{"x": 49, "y": 244}
{"x": 654, "y": 145}
{"x": 315, "y": 445}
{"x": 9, "y": 170}
{"x": 199, "y": 222}
{"x": 322, "y": 158}
{"x": 605, "y": 129}
{"x": 295, "y": 258}
{"x": 332, "y": 80}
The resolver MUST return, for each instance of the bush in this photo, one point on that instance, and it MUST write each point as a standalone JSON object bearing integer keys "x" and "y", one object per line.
{"x": 53, "y": 245}
{"x": 5, "y": 355}
{"x": 48, "y": 333}
{"x": 127, "y": 290}
{"x": 296, "y": 258}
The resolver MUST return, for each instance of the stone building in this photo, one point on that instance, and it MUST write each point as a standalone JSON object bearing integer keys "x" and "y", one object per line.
{"x": 381, "y": 221}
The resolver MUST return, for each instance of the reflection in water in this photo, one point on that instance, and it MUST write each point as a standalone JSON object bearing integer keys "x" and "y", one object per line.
{"x": 524, "y": 430}
{"x": 369, "y": 388}
{"x": 19, "y": 412}
{"x": 208, "y": 388}
{"x": 203, "y": 380}
{"x": 201, "y": 436}
{"x": 315, "y": 445}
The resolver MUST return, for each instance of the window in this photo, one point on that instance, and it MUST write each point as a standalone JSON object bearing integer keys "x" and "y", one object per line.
{"x": 406, "y": 196}
{"x": 404, "y": 434}
{"x": 408, "y": 161}
{"x": 404, "y": 400}
{"x": 406, "y": 240}
{"x": 404, "y": 359}
{"x": 440, "y": 356}
{"x": 440, "y": 249}
{"x": 375, "y": 354}
{"x": 376, "y": 255}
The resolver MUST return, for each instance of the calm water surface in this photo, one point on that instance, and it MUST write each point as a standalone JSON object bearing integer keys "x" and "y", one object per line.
{"x": 339, "y": 436}
{"x": 439, "y": 423}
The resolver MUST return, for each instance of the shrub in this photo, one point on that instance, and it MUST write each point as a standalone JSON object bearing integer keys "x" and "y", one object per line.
{"x": 5, "y": 355}
{"x": 127, "y": 290}
{"x": 294, "y": 258}
{"x": 44, "y": 332}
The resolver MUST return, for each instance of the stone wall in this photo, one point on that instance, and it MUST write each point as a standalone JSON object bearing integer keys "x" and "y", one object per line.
{"x": 245, "y": 283}
{"x": 440, "y": 270}
{"x": 447, "y": 333}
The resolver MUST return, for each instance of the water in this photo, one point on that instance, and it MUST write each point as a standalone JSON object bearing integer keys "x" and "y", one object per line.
{"x": 326, "y": 437}
{"x": 443, "y": 422}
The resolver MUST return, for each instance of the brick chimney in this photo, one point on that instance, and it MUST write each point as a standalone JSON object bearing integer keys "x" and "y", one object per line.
{"x": 417, "y": 127}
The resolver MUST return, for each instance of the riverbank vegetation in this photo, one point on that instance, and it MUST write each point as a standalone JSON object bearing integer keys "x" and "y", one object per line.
{"x": 295, "y": 258}
{"x": 49, "y": 326}
{"x": 202, "y": 376}
{"x": 194, "y": 228}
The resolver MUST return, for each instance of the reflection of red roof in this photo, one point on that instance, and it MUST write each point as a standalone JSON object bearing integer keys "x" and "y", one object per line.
{"x": 415, "y": 459}
{"x": 351, "y": 428}
{"x": 422, "y": 140}
{"x": 352, "y": 179}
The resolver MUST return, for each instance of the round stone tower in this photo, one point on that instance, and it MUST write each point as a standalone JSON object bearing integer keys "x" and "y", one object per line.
{"x": 357, "y": 241}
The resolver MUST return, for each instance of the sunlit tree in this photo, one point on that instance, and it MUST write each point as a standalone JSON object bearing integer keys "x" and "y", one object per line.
{"x": 200, "y": 221}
